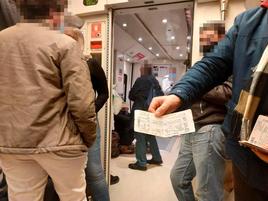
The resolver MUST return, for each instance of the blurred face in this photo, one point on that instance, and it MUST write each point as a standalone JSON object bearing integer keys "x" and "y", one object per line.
{"x": 208, "y": 39}
{"x": 48, "y": 11}
{"x": 145, "y": 71}
{"x": 57, "y": 18}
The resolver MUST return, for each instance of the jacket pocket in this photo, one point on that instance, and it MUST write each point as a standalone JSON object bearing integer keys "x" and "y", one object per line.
{"x": 71, "y": 125}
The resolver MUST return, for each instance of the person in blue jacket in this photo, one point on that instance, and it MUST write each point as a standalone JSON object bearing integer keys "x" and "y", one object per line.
{"x": 237, "y": 54}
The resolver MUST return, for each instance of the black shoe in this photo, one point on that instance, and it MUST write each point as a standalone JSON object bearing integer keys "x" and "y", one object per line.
{"x": 114, "y": 179}
{"x": 152, "y": 161}
{"x": 136, "y": 166}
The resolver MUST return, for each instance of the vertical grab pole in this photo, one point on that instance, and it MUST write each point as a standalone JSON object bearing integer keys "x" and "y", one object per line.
{"x": 224, "y": 6}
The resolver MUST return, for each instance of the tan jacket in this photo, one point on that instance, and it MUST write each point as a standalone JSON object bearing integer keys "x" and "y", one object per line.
{"x": 46, "y": 95}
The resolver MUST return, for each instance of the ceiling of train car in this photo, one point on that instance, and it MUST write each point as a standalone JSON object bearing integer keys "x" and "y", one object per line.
{"x": 161, "y": 30}
{"x": 134, "y": 3}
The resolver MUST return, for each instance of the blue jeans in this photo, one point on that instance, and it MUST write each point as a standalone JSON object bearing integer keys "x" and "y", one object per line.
{"x": 94, "y": 172}
{"x": 202, "y": 154}
{"x": 141, "y": 148}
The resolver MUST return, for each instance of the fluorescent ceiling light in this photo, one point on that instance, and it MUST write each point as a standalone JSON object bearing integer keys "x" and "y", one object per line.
{"x": 178, "y": 47}
{"x": 164, "y": 21}
{"x": 124, "y": 24}
{"x": 140, "y": 39}
{"x": 157, "y": 55}
{"x": 150, "y": 48}
{"x": 181, "y": 55}
{"x": 172, "y": 37}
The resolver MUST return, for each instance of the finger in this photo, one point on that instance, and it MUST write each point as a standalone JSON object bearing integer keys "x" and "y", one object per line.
{"x": 162, "y": 110}
{"x": 155, "y": 103}
{"x": 151, "y": 108}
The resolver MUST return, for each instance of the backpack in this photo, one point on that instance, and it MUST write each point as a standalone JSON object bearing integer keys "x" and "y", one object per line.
{"x": 155, "y": 90}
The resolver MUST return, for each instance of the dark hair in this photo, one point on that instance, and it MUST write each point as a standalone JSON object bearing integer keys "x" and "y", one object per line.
{"x": 146, "y": 70}
{"x": 40, "y": 9}
{"x": 216, "y": 26}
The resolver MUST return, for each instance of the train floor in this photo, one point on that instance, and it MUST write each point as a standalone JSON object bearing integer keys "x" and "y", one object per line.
{"x": 153, "y": 184}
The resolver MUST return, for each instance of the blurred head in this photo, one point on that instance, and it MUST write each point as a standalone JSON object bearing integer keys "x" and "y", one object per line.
{"x": 73, "y": 21}
{"x": 40, "y": 10}
{"x": 72, "y": 26}
{"x": 210, "y": 35}
{"x": 145, "y": 70}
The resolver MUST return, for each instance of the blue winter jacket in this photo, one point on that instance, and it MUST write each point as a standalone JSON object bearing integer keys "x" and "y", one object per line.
{"x": 238, "y": 53}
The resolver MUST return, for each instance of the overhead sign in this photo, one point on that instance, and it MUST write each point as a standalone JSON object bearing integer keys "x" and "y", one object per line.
{"x": 139, "y": 56}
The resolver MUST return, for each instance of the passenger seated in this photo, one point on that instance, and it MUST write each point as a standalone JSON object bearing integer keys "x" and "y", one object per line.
{"x": 122, "y": 124}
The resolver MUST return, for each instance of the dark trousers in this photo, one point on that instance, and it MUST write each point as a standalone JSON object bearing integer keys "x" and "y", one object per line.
{"x": 243, "y": 191}
{"x": 141, "y": 146}
{"x": 50, "y": 193}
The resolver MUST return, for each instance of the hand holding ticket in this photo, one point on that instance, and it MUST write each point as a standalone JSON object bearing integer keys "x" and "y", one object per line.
{"x": 259, "y": 135}
{"x": 165, "y": 126}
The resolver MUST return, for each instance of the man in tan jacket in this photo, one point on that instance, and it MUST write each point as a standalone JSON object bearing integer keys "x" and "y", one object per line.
{"x": 47, "y": 119}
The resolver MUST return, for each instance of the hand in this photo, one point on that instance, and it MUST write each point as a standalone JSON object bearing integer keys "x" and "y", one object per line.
{"x": 263, "y": 156}
{"x": 162, "y": 105}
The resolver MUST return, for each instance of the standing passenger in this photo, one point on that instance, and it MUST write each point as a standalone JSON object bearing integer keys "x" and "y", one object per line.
{"x": 8, "y": 17}
{"x": 94, "y": 171}
{"x": 139, "y": 93}
{"x": 47, "y": 119}
{"x": 202, "y": 153}
{"x": 96, "y": 184}
{"x": 237, "y": 54}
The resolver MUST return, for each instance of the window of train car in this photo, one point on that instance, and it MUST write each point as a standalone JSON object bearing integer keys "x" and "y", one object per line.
{"x": 90, "y": 2}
